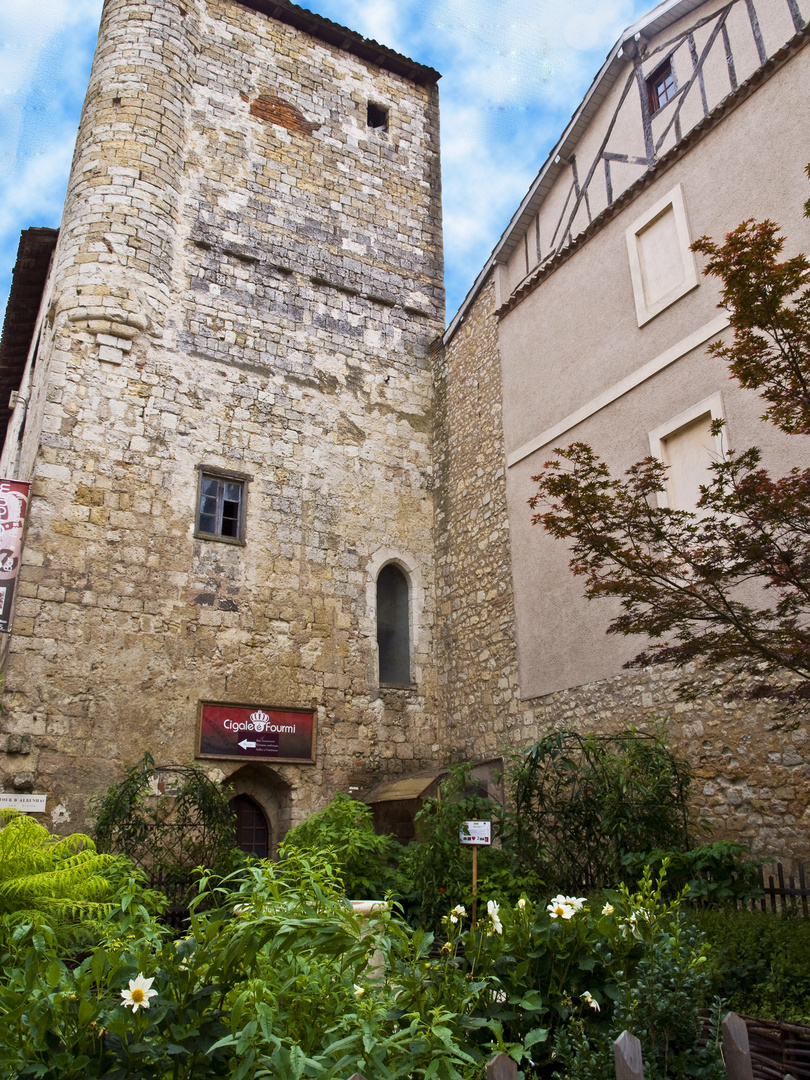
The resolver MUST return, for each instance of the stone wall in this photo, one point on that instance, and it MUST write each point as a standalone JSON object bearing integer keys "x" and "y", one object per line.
{"x": 248, "y": 277}
{"x": 750, "y": 772}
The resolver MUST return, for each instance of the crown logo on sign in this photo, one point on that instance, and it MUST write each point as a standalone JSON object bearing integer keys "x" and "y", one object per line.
{"x": 260, "y": 720}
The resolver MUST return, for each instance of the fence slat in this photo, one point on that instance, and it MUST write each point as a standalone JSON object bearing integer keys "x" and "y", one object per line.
{"x": 736, "y": 1051}
{"x": 502, "y": 1067}
{"x": 627, "y": 1055}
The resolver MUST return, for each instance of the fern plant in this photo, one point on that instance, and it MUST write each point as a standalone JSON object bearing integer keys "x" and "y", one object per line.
{"x": 63, "y": 881}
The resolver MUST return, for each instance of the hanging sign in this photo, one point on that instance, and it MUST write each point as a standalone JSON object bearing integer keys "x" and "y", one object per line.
{"x": 31, "y": 803}
{"x": 476, "y": 833}
{"x": 13, "y": 505}
{"x": 255, "y": 733}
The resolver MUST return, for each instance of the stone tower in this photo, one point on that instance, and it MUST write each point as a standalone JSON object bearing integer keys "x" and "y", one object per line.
{"x": 226, "y": 411}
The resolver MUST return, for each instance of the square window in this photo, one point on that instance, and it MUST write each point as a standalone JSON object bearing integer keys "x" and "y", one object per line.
{"x": 221, "y": 504}
{"x": 377, "y": 117}
{"x": 661, "y": 86}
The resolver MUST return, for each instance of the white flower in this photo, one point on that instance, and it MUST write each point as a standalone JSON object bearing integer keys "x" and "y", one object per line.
{"x": 459, "y": 909}
{"x": 576, "y": 902}
{"x": 137, "y": 997}
{"x": 492, "y": 911}
{"x": 359, "y": 990}
{"x": 558, "y": 909}
{"x": 521, "y": 903}
{"x": 607, "y": 909}
{"x": 589, "y": 999}
{"x": 454, "y": 919}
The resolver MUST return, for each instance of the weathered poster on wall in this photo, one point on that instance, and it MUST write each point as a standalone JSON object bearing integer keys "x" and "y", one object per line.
{"x": 13, "y": 506}
{"x": 255, "y": 733}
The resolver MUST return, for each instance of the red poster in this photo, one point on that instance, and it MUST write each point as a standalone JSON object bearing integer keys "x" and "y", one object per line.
{"x": 13, "y": 505}
{"x": 255, "y": 732}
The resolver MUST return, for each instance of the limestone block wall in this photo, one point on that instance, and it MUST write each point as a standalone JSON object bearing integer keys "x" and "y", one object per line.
{"x": 750, "y": 773}
{"x": 248, "y": 277}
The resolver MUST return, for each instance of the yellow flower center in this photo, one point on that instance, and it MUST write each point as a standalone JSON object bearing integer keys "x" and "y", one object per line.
{"x": 138, "y": 995}
{"x": 559, "y": 910}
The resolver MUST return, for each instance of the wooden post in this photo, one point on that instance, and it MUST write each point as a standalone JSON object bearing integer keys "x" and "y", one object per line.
{"x": 627, "y": 1055}
{"x": 502, "y": 1067}
{"x": 736, "y": 1050}
{"x": 475, "y": 884}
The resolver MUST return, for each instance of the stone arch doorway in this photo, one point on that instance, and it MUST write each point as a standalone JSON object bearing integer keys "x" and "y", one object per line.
{"x": 262, "y": 803}
{"x": 254, "y": 834}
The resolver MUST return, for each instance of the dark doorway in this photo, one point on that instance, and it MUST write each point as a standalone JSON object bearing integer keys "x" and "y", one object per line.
{"x": 392, "y": 627}
{"x": 252, "y": 830}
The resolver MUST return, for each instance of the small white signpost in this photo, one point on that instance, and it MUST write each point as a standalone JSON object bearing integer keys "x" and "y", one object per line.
{"x": 31, "y": 803}
{"x": 475, "y": 834}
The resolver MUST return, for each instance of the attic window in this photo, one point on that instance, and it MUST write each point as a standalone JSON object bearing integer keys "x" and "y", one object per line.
{"x": 661, "y": 86}
{"x": 377, "y": 117}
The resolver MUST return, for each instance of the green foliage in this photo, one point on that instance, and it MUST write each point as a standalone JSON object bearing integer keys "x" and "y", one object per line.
{"x": 274, "y": 979}
{"x": 439, "y": 868}
{"x": 343, "y": 835}
{"x": 711, "y": 874}
{"x": 167, "y": 821}
{"x": 581, "y": 804}
{"x": 62, "y": 882}
{"x": 759, "y": 962}
{"x": 657, "y": 991}
{"x": 684, "y": 580}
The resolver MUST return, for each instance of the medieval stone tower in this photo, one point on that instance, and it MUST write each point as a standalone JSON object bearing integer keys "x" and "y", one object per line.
{"x": 225, "y": 414}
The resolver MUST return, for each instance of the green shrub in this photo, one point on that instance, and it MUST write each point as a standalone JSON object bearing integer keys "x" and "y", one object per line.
{"x": 438, "y": 869}
{"x": 759, "y": 962}
{"x": 711, "y": 874}
{"x": 582, "y": 803}
{"x": 60, "y": 882}
{"x": 343, "y": 836}
{"x": 191, "y": 824}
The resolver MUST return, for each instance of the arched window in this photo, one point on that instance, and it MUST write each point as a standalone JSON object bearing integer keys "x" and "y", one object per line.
{"x": 252, "y": 830}
{"x": 393, "y": 638}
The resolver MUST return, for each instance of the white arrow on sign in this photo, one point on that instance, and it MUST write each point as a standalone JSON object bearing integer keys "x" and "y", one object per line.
{"x": 246, "y": 745}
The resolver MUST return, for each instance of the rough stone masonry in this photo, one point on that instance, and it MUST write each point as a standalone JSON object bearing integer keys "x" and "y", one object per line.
{"x": 248, "y": 280}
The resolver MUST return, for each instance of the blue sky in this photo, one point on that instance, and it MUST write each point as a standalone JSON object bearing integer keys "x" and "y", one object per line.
{"x": 513, "y": 72}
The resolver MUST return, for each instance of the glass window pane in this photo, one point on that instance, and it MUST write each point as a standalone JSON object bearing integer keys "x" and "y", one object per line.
{"x": 233, "y": 492}
{"x": 209, "y": 486}
{"x": 208, "y": 523}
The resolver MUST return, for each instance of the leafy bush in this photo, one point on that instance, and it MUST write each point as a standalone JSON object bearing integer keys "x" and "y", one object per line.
{"x": 582, "y": 803}
{"x": 170, "y": 832}
{"x": 759, "y": 961}
{"x": 343, "y": 835}
{"x": 60, "y": 882}
{"x": 711, "y": 874}
{"x": 439, "y": 869}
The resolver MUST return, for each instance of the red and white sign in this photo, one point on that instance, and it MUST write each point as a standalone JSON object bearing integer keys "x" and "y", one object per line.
{"x": 13, "y": 506}
{"x": 476, "y": 833}
{"x": 255, "y": 733}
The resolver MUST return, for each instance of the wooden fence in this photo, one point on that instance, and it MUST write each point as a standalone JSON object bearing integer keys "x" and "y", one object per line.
{"x": 742, "y": 1060}
{"x": 752, "y": 1050}
{"x": 778, "y": 896}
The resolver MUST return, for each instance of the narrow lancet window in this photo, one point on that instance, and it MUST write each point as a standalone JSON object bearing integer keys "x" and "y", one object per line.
{"x": 393, "y": 638}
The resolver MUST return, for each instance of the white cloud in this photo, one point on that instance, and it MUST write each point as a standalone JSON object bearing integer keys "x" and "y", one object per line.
{"x": 513, "y": 72}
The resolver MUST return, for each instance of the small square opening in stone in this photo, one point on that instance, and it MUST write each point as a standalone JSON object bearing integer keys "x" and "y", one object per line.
{"x": 377, "y": 117}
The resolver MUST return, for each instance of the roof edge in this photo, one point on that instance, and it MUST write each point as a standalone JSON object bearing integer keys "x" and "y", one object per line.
{"x": 342, "y": 38}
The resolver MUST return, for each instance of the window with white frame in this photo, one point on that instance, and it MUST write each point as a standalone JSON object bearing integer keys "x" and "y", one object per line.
{"x": 687, "y": 446}
{"x": 662, "y": 267}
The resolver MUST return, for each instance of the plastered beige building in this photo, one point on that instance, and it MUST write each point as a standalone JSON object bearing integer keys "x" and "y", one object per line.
{"x": 261, "y": 480}
{"x": 590, "y": 323}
